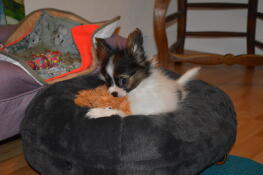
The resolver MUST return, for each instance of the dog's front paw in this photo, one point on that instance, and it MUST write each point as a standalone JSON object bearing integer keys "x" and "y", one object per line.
{"x": 103, "y": 112}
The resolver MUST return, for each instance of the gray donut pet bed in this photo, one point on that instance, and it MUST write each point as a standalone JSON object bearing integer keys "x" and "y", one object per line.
{"x": 58, "y": 140}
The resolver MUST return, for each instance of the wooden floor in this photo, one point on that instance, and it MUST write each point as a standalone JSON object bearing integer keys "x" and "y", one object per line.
{"x": 244, "y": 86}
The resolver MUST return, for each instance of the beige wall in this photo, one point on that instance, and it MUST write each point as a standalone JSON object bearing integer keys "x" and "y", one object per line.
{"x": 139, "y": 13}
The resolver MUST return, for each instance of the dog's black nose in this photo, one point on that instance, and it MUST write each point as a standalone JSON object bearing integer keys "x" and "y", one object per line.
{"x": 114, "y": 94}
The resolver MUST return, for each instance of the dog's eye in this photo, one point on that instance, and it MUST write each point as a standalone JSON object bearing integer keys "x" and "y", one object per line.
{"x": 123, "y": 81}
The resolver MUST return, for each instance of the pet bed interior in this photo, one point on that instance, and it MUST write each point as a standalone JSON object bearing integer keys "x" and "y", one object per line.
{"x": 58, "y": 139}
{"x": 57, "y": 44}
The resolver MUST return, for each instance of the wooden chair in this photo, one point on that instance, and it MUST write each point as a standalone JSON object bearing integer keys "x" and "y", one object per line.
{"x": 176, "y": 51}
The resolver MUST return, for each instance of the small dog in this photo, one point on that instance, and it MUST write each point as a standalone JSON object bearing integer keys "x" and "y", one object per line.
{"x": 127, "y": 72}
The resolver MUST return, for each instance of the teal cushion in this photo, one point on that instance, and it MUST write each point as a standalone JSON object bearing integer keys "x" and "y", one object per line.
{"x": 236, "y": 166}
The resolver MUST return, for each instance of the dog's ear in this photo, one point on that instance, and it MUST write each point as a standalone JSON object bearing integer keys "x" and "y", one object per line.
{"x": 135, "y": 45}
{"x": 103, "y": 50}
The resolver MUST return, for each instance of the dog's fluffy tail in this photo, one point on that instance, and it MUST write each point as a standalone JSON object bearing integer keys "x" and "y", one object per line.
{"x": 188, "y": 76}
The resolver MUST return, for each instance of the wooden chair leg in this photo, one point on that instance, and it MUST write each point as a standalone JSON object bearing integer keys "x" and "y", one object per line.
{"x": 181, "y": 26}
{"x": 160, "y": 9}
{"x": 251, "y": 26}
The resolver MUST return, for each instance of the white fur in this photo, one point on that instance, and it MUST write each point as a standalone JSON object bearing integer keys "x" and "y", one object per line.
{"x": 110, "y": 68}
{"x": 188, "y": 76}
{"x": 156, "y": 94}
{"x": 103, "y": 112}
{"x": 114, "y": 88}
{"x": 135, "y": 47}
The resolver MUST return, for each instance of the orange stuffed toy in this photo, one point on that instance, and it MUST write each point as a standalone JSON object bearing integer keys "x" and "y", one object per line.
{"x": 100, "y": 98}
